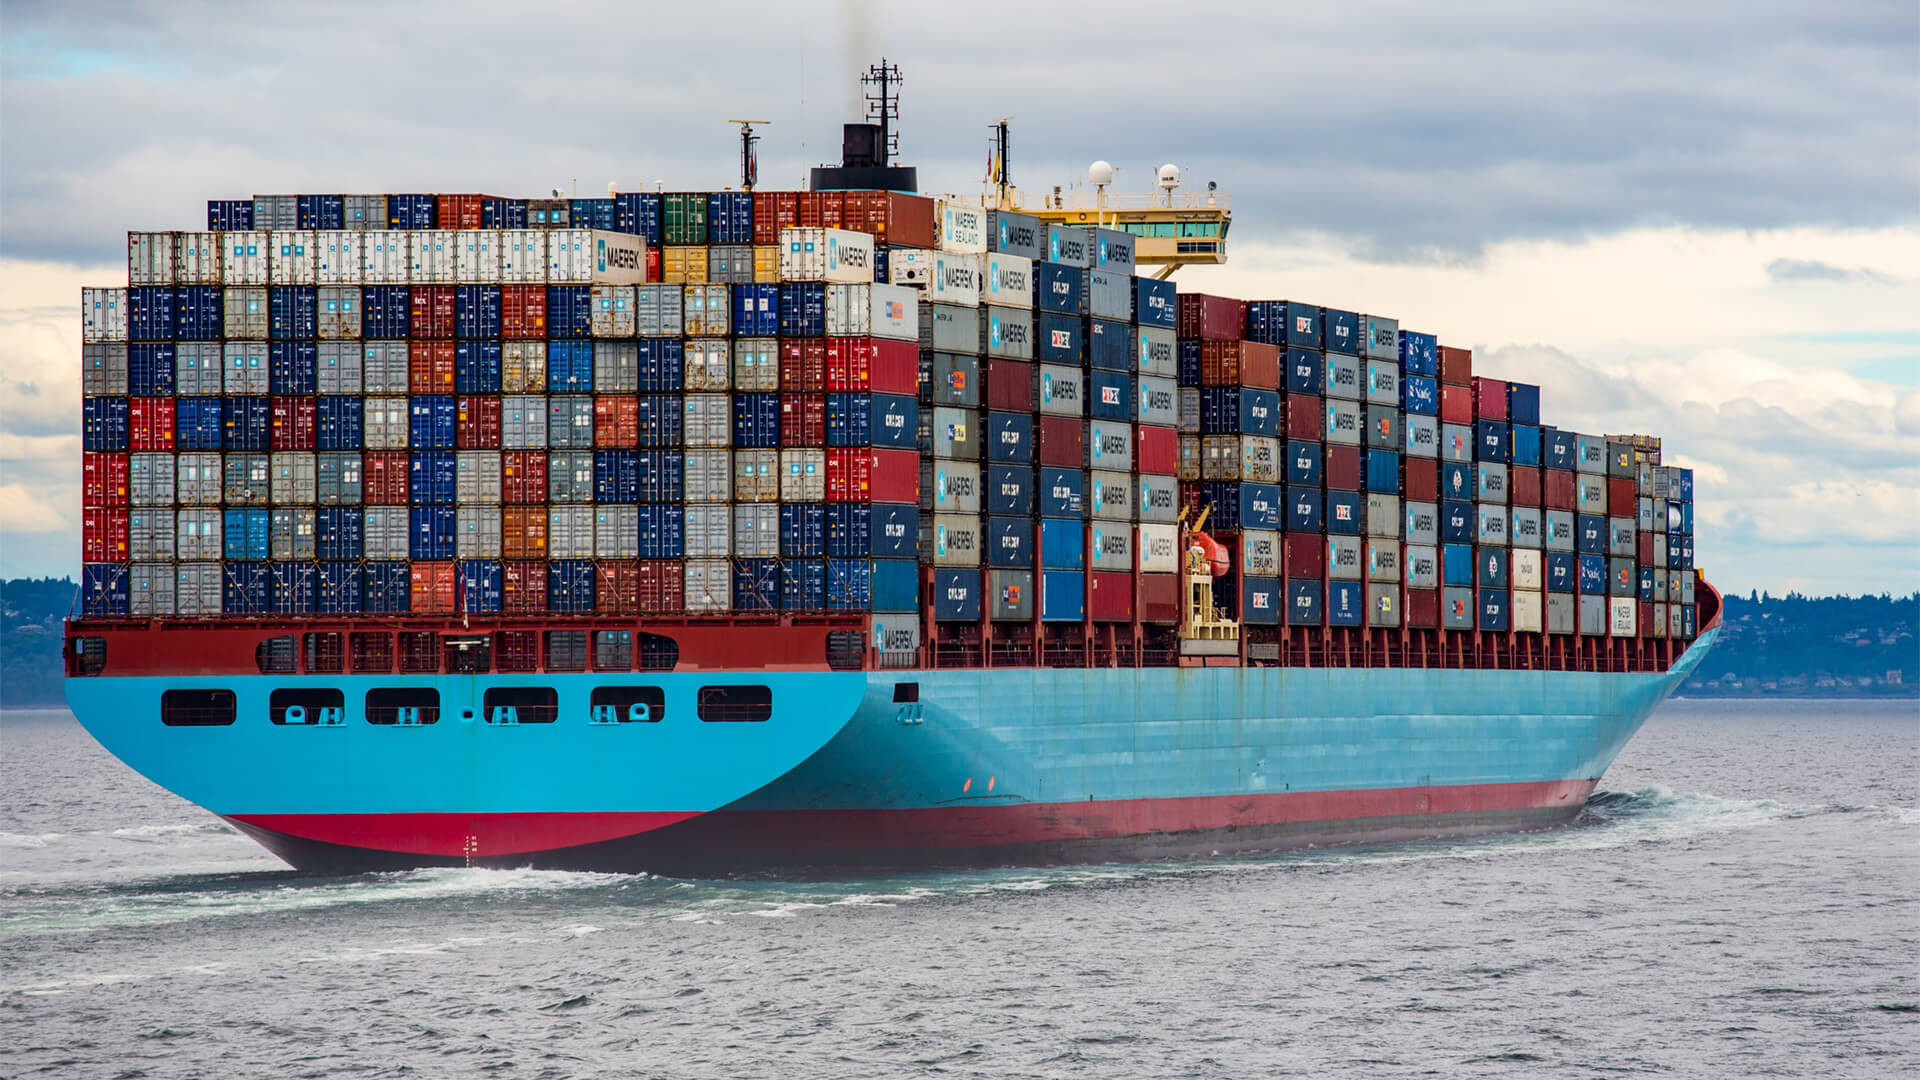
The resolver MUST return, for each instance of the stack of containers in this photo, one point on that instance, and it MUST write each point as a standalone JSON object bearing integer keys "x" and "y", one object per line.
{"x": 981, "y": 369}
{"x": 1420, "y": 424}
{"x": 1458, "y": 490}
{"x": 950, "y": 282}
{"x": 1285, "y": 565}
{"x": 1156, "y": 318}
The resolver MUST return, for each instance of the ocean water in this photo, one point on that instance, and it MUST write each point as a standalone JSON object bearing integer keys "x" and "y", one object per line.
{"x": 1741, "y": 898}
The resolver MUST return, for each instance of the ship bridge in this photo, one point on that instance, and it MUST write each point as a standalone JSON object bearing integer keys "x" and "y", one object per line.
{"x": 1174, "y": 228}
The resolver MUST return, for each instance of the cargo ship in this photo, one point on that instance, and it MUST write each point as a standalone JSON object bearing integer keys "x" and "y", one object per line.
{"x": 711, "y": 532}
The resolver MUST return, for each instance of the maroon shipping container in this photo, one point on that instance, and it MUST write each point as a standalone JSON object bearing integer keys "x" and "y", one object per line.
{"x": 430, "y": 367}
{"x": 1644, "y": 624}
{"x": 103, "y": 535}
{"x": 1193, "y": 498}
{"x": 1306, "y": 555}
{"x": 1156, "y": 450}
{"x": 616, "y": 587}
{"x": 383, "y": 477}
{"x": 1423, "y": 608}
{"x": 1159, "y": 598}
{"x": 803, "y": 365}
{"x": 891, "y": 218}
{"x": 1558, "y": 490}
{"x": 1061, "y": 441}
{"x": 864, "y": 475}
{"x": 1212, "y": 318}
{"x": 1524, "y": 485}
{"x": 460, "y": 211}
{"x": 810, "y": 209}
{"x": 616, "y": 422}
{"x": 291, "y": 421}
{"x": 1110, "y": 596}
{"x": 803, "y": 420}
{"x": 662, "y": 589}
{"x": 433, "y": 588}
{"x": 431, "y": 314}
{"x": 1303, "y": 417}
{"x": 523, "y": 588}
{"x": 1456, "y": 366}
{"x": 1644, "y": 543}
{"x": 1343, "y": 468}
{"x": 1456, "y": 404}
{"x": 1420, "y": 479}
{"x": 1010, "y": 385}
{"x": 523, "y": 532}
{"x": 477, "y": 423}
{"x": 103, "y": 479}
{"x": 1489, "y": 399}
{"x": 773, "y": 211}
{"x": 1620, "y": 497}
{"x": 150, "y": 424}
{"x": 653, "y": 264}
{"x": 1240, "y": 363}
{"x": 523, "y": 310}
{"x": 523, "y": 477}
{"x": 879, "y": 365}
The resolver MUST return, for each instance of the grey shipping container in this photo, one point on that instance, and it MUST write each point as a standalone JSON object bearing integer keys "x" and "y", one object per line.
{"x": 523, "y": 367}
{"x": 1529, "y": 528}
{"x": 1380, "y": 337}
{"x": 1341, "y": 378}
{"x": 1557, "y": 530}
{"x": 1562, "y": 613}
{"x": 803, "y": 475}
{"x": 337, "y": 478}
{"x": 616, "y": 367}
{"x": 1458, "y": 610}
{"x": 1621, "y": 538}
{"x": 245, "y": 480}
{"x": 1383, "y": 605}
{"x": 1383, "y": 428}
{"x": 708, "y": 365}
{"x": 950, "y": 487}
{"x": 1343, "y": 423}
{"x": 384, "y": 367}
{"x": 245, "y": 368}
{"x": 1158, "y": 401}
{"x": 1159, "y": 499}
{"x": 523, "y": 422}
{"x": 1253, "y": 458}
{"x": 196, "y": 588}
{"x": 570, "y": 477}
{"x": 1593, "y": 616}
{"x": 150, "y": 479}
{"x": 1383, "y": 516}
{"x": 709, "y": 419}
{"x": 730, "y": 263}
{"x": 384, "y": 423}
{"x": 1383, "y": 560}
{"x": 709, "y": 476}
{"x": 1015, "y": 234}
{"x": 1060, "y": 391}
{"x": 1422, "y": 523}
{"x": 385, "y": 532}
{"x": 1156, "y": 351}
{"x": 1109, "y": 446}
{"x": 337, "y": 365}
{"x": 150, "y": 589}
{"x": 1383, "y": 382}
{"x": 103, "y": 369}
{"x": 1491, "y": 526}
{"x": 952, "y": 434}
{"x": 197, "y": 479}
{"x": 951, "y": 539}
{"x": 616, "y": 532}
{"x": 244, "y": 311}
{"x": 197, "y": 369}
{"x": 570, "y": 532}
{"x": 1187, "y": 409}
{"x": 1490, "y": 482}
{"x": 1260, "y": 553}
{"x": 339, "y": 309}
{"x": 756, "y": 364}
{"x": 150, "y": 534}
{"x": 612, "y": 314}
{"x": 1422, "y": 565}
{"x": 707, "y": 310}
{"x": 294, "y": 479}
{"x": 1422, "y": 435}
{"x": 708, "y": 585}
{"x": 708, "y": 533}
{"x": 756, "y": 531}
{"x": 1346, "y": 558}
{"x": 756, "y": 476}
{"x": 1456, "y": 443}
{"x": 1110, "y": 496}
{"x": 476, "y": 532}
{"x": 477, "y": 478}
{"x": 1006, "y": 333}
{"x": 570, "y": 422}
{"x": 1110, "y": 545}
{"x": 955, "y": 379}
{"x": 1010, "y": 595}
{"x": 291, "y": 532}
{"x": 1110, "y": 295}
{"x": 659, "y": 310}
{"x": 949, "y": 328}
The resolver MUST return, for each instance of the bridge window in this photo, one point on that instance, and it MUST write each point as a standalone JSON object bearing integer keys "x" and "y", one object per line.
{"x": 628, "y": 705}
{"x": 520, "y": 705}
{"x": 197, "y": 708}
{"x": 403, "y": 706}
{"x": 735, "y": 704}
{"x": 307, "y": 705}
{"x": 906, "y": 692}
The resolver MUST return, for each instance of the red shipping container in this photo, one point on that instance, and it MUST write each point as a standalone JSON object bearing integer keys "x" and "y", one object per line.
{"x": 383, "y": 477}
{"x": 653, "y": 265}
{"x": 833, "y": 209}
{"x": 1214, "y": 318}
{"x": 151, "y": 424}
{"x": 523, "y": 532}
{"x": 477, "y": 423}
{"x": 803, "y": 420}
{"x": 662, "y": 587}
{"x": 1524, "y": 485}
{"x": 523, "y": 310}
{"x": 894, "y": 476}
{"x": 1643, "y": 626}
{"x": 616, "y": 422}
{"x": 864, "y": 211}
{"x": 773, "y": 211}
{"x": 523, "y": 588}
{"x": 103, "y": 479}
{"x": 433, "y": 588}
{"x": 1644, "y": 541}
{"x": 1110, "y": 596}
{"x": 1306, "y": 555}
{"x": 1423, "y": 608}
{"x": 849, "y": 475}
{"x": 1303, "y": 417}
{"x": 1558, "y": 491}
{"x": 1009, "y": 385}
{"x": 523, "y": 477}
{"x": 1489, "y": 399}
{"x": 1420, "y": 479}
{"x": 616, "y": 587}
{"x": 807, "y": 209}
{"x": 874, "y": 364}
{"x": 803, "y": 365}
{"x": 431, "y": 316}
{"x": 460, "y": 211}
{"x": 1156, "y": 450}
{"x": 1343, "y": 468}
{"x": 1193, "y": 497}
{"x": 1159, "y": 598}
{"x": 1620, "y": 502}
{"x": 908, "y": 220}
{"x": 103, "y": 535}
{"x": 291, "y": 420}
{"x": 1060, "y": 441}
{"x": 430, "y": 367}
{"x": 1456, "y": 366}
{"x": 1456, "y": 404}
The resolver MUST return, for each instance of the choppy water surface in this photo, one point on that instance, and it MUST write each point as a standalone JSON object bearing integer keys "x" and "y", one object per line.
{"x": 1743, "y": 898}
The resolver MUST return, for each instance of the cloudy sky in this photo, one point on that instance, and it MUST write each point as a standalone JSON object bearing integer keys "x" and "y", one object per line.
{"x": 1700, "y": 220}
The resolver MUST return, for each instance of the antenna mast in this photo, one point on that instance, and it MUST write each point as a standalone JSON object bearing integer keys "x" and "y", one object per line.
{"x": 1001, "y": 176}
{"x": 749, "y": 161}
{"x": 883, "y": 106}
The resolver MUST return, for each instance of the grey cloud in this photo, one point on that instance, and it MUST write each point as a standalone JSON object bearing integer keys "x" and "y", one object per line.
{"x": 1408, "y": 131}
{"x": 1794, "y": 271}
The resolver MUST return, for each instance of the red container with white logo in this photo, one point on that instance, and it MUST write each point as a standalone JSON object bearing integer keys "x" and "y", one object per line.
{"x": 523, "y": 477}
{"x": 383, "y": 477}
{"x": 430, "y": 367}
{"x": 103, "y": 535}
{"x": 103, "y": 480}
{"x": 616, "y": 421}
{"x": 803, "y": 420}
{"x": 523, "y": 588}
{"x": 430, "y": 313}
{"x": 616, "y": 587}
{"x": 477, "y": 423}
{"x": 292, "y": 423}
{"x": 150, "y": 424}
{"x": 523, "y": 310}
{"x": 432, "y": 589}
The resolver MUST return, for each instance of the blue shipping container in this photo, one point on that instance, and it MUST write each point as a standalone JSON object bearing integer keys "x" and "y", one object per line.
{"x": 338, "y": 531}
{"x": 1526, "y": 444}
{"x": 1456, "y": 522}
{"x": 616, "y": 477}
{"x": 293, "y": 313}
{"x": 956, "y": 595}
{"x": 638, "y": 214}
{"x": 1187, "y": 352}
{"x": 476, "y": 367}
{"x": 430, "y": 532}
{"x": 1559, "y": 450}
{"x": 803, "y": 309}
{"x": 1346, "y": 603}
{"x": 592, "y": 214}
{"x": 1420, "y": 395}
{"x": 894, "y": 532}
{"x": 432, "y": 477}
{"x": 1523, "y": 404}
{"x": 1340, "y": 332}
{"x": 433, "y": 421}
{"x": 1304, "y": 368}
{"x": 476, "y": 311}
{"x": 1010, "y": 542}
{"x": 1456, "y": 565}
{"x": 1383, "y": 472}
{"x": 1304, "y": 462}
{"x": 569, "y": 312}
{"x": 244, "y": 423}
{"x": 1493, "y": 610}
{"x": 1419, "y": 354}
{"x": 229, "y": 215}
{"x": 569, "y": 367}
{"x": 198, "y": 424}
{"x": 756, "y": 310}
{"x": 1493, "y": 441}
{"x": 1562, "y": 571}
{"x": 1456, "y": 480}
{"x": 150, "y": 313}
{"x": 1009, "y": 490}
{"x": 477, "y": 583}
{"x": 389, "y": 588}
{"x": 410, "y": 211}
{"x": 1346, "y": 512}
{"x": 1260, "y": 601}
{"x": 1063, "y": 596}
{"x": 292, "y": 587}
{"x": 660, "y": 475}
{"x": 803, "y": 530}
{"x": 1304, "y": 602}
{"x": 803, "y": 584}
{"x": 663, "y": 533}
{"x": 1155, "y": 303}
{"x": 319, "y": 211}
{"x": 1063, "y": 544}
{"x": 1062, "y": 339}
{"x": 1593, "y": 575}
{"x": 1490, "y": 567}
{"x": 1060, "y": 288}
{"x": 150, "y": 370}
{"x": 292, "y": 368}
{"x": 1010, "y": 437}
{"x": 661, "y": 419}
{"x": 244, "y": 534}
{"x": 198, "y": 311}
{"x": 386, "y": 312}
{"x": 103, "y": 424}
{"x": 1063, "y": 492}
{"x": 849, "y": 585}
{"x": 1306, "y": 509}
{"x": 662, "y": 365}
{"x": 246, "y": 588}
{"x": 1590, "y": 534}
{"x": 756, "y": 584}
{"x": 570, "y": 585}
{"x": 342, "y": 588}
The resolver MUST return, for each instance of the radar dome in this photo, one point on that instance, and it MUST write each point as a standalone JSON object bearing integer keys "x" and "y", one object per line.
{"x": 1100, "y": 174}
{"x": 1169, "y": 176}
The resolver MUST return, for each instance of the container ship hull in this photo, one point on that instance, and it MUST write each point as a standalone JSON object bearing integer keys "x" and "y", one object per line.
{"x": 907, "y": 768}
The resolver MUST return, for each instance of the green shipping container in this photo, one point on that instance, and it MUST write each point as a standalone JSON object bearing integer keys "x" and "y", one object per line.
{"x": 684, "y": 217}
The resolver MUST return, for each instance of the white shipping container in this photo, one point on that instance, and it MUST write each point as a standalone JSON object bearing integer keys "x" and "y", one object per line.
{"x": 756, "y": 531}
{"x": 103, "y": 315}
{"x": 1527, "y": 570}
{"x": 432, "y": 256}
{"x": 196, "y": 258}
{"x": 1009, "y": 280}
{"x": 612, "y": 315}
{"x": 963, "y": 227}
{"x": 803, "y": 475}
{"x": 476, "y": 532}
{"x": 706, "y": 310}
{"x": 709, "y": 417}
{"x": 150, "y": 589}
{"x": 709, "y": 585}
{"x": 956, "y": 279}
{"x": 756, "y": 364}
{"x": 385, "y": 423}
{"x": 909, "y": 266}
{"x": 292, "y": 258}
{"x": 197, "y": 480}
{"x": 294, "y": 480}
{"x": 196, "y": 534}
{"x": 1260, "y": 552}
{"x": 756, "y": 476}
{"x": 523, "y": 256}
{"x": 523, "y": 368}
{"x": 339, "y": 259}
{"x": 570, "y": 532}
{"x": 1529, "y": 611}
{"x": 385, "y": 258}
{"x": 245, "y": 369}
{"x": 706, "y": 367}
{"x": 476, "y": 478}
{"x": 709, "y": 476}
{"x": 150, "y": 258}
{"x": 593, "y": 257}
{"x": 244, "y": 257}
{"x": 709, "y": 531}
{"x": 477, "y": 256}
{"x": 196, "y": 588}
{"x": 883, "y": 311}
{"x": 832, "y": 255}
{"x": 1622, "y": 614}
{"x": 1159, "y": 548}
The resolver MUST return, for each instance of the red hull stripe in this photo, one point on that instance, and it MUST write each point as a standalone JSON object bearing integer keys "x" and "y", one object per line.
{"x": 458, "y": 835}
